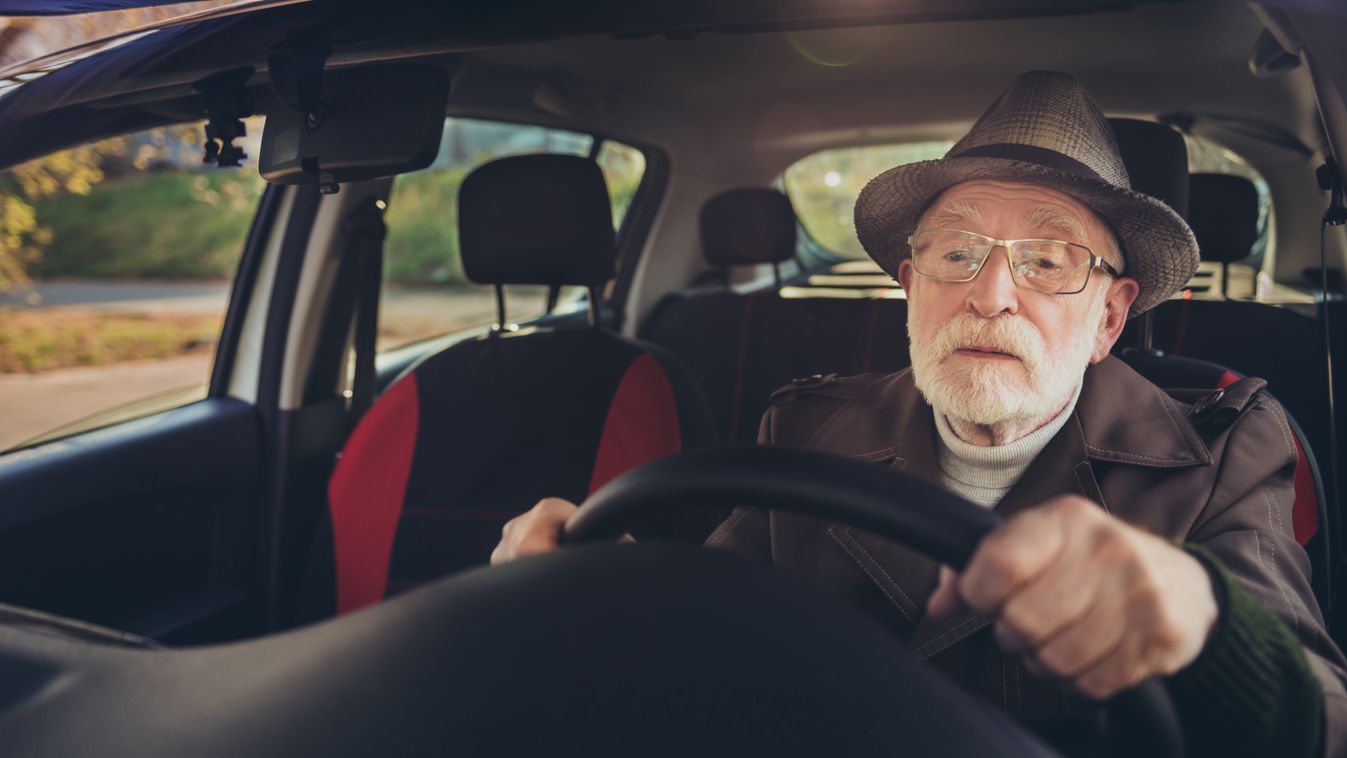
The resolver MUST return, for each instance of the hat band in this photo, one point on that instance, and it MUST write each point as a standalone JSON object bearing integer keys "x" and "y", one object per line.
{"x": 1033, "y": 154}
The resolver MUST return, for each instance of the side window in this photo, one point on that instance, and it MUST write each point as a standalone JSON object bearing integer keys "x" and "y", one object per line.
{"x": 115, "y": 265}
{"x": 425, "y": 293}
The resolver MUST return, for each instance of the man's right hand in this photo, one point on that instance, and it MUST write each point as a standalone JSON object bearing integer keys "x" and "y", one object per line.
{"x": 533, "y": 531}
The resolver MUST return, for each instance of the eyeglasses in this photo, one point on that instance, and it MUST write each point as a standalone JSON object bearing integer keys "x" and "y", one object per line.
{"x": 1051, "y": 266}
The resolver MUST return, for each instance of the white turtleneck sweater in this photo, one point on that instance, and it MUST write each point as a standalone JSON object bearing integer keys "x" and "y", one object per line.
{"x": 984, "y": 473}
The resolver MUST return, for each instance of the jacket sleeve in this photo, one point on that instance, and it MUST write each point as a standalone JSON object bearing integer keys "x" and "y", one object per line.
{"x": 1245, "y": 529}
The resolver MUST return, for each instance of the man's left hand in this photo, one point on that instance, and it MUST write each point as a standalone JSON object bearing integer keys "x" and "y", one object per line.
{"x": 1086, "y": 597}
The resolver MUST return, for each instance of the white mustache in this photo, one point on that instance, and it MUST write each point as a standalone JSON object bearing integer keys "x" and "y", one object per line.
{"x": 1013, "y": 335}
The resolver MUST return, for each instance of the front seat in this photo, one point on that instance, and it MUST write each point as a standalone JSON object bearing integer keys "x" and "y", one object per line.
{"x": 479, "y": 432}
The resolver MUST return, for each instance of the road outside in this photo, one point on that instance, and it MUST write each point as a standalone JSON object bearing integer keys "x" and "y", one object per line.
{"x": 32, "y": 404}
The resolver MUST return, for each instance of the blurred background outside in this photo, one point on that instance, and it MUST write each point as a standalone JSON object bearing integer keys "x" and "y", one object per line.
{"x": 116, "y": 258}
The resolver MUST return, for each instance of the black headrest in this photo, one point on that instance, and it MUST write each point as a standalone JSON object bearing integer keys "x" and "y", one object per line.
{"x": 747, "y": 226}
{"x": 1156, "y": 159}
{"x": 1223, "y": 211}
{"x": 537, "y": 219}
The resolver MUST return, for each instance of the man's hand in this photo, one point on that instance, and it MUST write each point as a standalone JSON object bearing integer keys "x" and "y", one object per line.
{"x": 1086, "y": 597}
{"x": 533, "y": 531}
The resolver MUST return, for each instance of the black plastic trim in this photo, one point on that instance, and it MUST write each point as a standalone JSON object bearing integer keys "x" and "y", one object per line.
{"x": 37, "y": 482}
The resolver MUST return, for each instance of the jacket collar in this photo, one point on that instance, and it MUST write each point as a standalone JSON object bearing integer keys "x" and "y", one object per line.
{"x": 1120, "y": 418}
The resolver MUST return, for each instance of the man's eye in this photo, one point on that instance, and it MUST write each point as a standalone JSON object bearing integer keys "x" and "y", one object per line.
{"x": 957, "y": 256}
{"x": 1044, "y": 264}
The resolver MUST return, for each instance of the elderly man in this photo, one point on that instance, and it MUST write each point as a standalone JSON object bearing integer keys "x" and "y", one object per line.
{"x": 1143, "y": 537}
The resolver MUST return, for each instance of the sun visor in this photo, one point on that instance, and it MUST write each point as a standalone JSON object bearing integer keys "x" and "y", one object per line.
{"x": 371, "y": 122}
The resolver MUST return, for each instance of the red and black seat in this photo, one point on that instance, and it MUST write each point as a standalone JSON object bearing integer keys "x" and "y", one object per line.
{"x": 481, "y": 431}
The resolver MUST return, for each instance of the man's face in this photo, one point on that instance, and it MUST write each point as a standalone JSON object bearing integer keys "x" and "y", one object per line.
{"x": 989, "y": 352}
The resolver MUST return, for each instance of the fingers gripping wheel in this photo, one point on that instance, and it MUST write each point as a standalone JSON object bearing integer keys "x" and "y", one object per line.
{"x": 897, "y": 506}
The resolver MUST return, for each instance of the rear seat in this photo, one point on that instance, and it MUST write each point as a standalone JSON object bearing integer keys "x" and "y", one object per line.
{"x": 743, "y": 345}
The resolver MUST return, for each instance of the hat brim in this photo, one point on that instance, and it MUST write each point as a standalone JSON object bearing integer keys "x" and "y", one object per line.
{"x": 1158, "y": 248}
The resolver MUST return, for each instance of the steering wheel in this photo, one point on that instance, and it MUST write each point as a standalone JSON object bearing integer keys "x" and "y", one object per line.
{"x": 898, "y": 506}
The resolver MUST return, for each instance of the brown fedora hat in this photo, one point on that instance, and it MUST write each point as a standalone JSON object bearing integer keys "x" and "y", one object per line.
{"x": 1044, "y": 129}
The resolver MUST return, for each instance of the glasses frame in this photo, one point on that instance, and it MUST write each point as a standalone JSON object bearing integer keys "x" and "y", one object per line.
{"x": 1096, "y": 262}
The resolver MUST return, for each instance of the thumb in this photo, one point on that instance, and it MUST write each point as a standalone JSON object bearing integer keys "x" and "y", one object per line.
{"x": 945, "y": 600}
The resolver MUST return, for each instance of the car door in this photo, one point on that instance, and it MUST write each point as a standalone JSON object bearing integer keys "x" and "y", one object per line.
{"x": 132, "y": 454}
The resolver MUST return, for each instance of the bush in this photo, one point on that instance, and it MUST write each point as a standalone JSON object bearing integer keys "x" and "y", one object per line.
{"x": 154, "y": 225}
{"x": 422, "y": 243}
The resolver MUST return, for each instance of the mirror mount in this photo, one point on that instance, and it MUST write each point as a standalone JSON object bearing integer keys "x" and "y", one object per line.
{"x": 296, "y": 68}
{"x": 228, "y": 102}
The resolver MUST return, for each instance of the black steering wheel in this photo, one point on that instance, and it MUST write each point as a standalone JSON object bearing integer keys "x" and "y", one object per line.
{"x": 900, "y": 507}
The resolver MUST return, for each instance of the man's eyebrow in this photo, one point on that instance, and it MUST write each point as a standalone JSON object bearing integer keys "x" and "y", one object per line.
{"x": 1058, "y": 221}
{"x": 955, "y": 214}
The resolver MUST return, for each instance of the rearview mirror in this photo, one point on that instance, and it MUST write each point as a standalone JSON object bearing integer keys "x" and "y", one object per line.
{"x": 375, "y": 121}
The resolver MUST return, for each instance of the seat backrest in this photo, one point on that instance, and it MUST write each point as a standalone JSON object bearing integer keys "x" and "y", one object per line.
{"x": 1310, "y": 511}
{"x": 1223, "y": 212}
{"x": 1156, "y": 159}
{"x": 742, "y": 346}
{"x": 479, "y": 432}
{"x": 710, "y": 327}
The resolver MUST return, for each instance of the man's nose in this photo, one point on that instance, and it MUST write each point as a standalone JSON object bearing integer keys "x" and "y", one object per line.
{"x": 993, "y": 291}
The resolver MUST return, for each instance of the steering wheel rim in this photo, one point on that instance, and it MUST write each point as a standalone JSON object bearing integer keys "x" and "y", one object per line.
{"x": 932, "y": 520}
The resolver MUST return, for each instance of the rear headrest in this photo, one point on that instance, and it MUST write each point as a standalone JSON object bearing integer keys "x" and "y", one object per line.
{"x": 1156, "y": 159}
{"x": 742, "y": 227}
{"x": 1223, "y": 211}
{"x": 537, "y": 219}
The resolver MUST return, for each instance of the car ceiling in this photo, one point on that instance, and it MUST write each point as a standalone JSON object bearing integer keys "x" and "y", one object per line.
{"x": 777, "y": 92}
{"x": 732, "y": 91}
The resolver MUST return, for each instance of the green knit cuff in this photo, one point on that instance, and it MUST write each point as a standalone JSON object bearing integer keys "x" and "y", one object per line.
{"x": 1250, "y": 691}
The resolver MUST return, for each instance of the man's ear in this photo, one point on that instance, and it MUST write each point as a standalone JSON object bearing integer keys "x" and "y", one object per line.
{"x": 905, "y": 274}
{"x": 1122, "y": 292}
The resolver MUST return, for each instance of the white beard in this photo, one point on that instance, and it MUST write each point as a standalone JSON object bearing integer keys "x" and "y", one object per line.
{"x": 995, "y": 393}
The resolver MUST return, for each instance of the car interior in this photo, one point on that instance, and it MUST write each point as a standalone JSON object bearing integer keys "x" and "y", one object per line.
{"x": 310, "y": 540}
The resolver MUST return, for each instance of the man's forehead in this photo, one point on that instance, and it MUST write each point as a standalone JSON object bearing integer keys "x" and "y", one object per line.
{"x": 1035, "y": 205}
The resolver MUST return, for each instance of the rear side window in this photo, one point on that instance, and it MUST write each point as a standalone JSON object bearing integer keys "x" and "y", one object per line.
{"x": 115, "y": 265}
{"x": 425, "y": 293}
{"x": 823, "y": 188}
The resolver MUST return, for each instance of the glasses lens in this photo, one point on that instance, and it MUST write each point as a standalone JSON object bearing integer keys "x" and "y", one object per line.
{"x": 949, "y": 255}
{"x": 1050, "y": 266}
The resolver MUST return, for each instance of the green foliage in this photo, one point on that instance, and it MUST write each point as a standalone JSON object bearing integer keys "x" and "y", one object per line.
{"x": 152, "y": 224}
{"x": 136, "y": 207}
{"x": 422, "y": 243}
{"x": 22, "y": 237}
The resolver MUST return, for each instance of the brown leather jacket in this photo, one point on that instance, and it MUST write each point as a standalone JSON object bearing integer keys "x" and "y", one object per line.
{"x": 1220, "y": 478}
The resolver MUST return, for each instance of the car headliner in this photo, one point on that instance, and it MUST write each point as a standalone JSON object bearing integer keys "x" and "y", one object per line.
{"x": 734, "y": 92}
